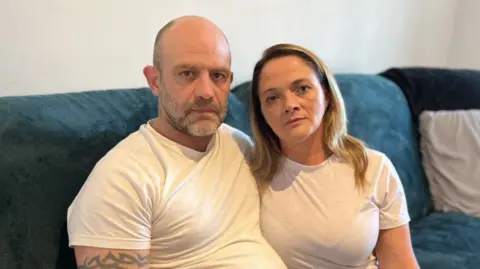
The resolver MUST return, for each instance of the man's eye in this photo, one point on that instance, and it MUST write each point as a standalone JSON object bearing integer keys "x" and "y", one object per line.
{"x": 186, "y": 73}
{"x": 218, "y": 75}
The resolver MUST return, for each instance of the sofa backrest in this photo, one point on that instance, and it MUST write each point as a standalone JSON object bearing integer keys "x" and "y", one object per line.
{"x": 378, "y": 114}
{"x": 49, "y": 144}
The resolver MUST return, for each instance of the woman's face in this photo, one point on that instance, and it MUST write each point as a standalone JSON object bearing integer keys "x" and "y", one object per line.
{"x": 292, "y": 99}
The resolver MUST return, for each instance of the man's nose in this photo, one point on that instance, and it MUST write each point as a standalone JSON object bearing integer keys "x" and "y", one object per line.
{"x": 204, "y": 86}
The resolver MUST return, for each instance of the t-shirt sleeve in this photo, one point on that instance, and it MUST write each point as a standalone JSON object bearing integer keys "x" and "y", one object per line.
{"x": 244, "y": 142}
{"x": 114, "y": 207}
{"x": 391, "y": 196}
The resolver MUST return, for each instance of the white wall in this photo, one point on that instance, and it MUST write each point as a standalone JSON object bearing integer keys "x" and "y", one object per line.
{"x": 465, "y": 45}
{"x": 55, "y": 46}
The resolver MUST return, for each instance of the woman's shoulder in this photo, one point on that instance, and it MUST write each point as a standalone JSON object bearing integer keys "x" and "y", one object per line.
{"x": 376, "y": 157}
{"x": 379, "y": 165}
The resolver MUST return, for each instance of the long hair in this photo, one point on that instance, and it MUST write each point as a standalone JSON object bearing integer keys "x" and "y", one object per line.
{"x": 267, "y": 153}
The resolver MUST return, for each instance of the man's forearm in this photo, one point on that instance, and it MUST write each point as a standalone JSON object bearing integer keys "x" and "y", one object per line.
{"x": 117, "y": 259}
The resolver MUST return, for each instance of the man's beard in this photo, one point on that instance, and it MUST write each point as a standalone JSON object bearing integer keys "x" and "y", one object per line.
{"x": 185, "y": 121}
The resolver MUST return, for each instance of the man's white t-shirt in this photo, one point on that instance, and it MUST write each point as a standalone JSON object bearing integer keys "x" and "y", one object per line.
{"x": 191, "y": 209}
{"x": 314, "y": 217}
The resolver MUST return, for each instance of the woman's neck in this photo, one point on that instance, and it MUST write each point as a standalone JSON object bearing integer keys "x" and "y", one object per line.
{"x": 311, "y": 151}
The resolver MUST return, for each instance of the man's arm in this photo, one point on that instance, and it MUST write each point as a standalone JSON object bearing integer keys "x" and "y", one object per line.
{"x": 99, "y": 258}
{"x": 109, "y": 222}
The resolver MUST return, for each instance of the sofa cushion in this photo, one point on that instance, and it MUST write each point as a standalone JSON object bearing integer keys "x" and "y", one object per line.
{"x": 450, "y": 146}
{"x": 447, "y": 240}
{"x": 378, "y": 113}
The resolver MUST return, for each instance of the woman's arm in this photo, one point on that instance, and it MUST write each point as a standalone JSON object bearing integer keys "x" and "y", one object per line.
{"x": 394, "y": 249}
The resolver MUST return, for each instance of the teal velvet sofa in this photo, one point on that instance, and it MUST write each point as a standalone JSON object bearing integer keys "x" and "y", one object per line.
{"x": 49, "y": 144}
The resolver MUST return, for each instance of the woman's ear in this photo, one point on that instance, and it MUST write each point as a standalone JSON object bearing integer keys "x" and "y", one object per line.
{"x": 326, "y": 94}
{"x": 152, "y": 75}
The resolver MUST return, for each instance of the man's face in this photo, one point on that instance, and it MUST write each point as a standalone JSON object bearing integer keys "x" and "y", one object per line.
{"x": 194, "y": 83}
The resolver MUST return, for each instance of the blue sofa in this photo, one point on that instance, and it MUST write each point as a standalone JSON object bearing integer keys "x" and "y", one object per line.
{"x": 49, "y": 144}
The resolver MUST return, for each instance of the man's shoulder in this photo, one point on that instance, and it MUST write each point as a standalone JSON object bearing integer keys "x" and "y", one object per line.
{"x": 132, "y": 151}
{"x": 134, "y": 142}
{"x": 237, "y": 139}
{"x": 237, "y": 135}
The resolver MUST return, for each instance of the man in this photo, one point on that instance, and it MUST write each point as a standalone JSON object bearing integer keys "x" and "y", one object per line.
{"x": 177, "y": 193}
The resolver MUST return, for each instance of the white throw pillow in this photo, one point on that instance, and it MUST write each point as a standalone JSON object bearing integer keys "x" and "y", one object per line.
{"x": 450, "y": 147}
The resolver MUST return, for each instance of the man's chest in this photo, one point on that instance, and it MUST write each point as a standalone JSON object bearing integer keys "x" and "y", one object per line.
{"x": 207, "y": 204}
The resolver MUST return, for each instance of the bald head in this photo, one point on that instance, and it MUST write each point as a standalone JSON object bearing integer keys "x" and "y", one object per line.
{"x": 192, "y": 78}
{"x": 188, "y": 31}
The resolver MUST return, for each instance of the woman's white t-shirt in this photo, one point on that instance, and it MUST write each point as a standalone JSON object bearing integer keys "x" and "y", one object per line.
{"x": 314, "y": 217}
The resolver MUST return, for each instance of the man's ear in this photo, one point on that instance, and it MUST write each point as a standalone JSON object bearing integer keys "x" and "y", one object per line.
{"x": 153, "y": 77}
{"x": 231, "y": 77}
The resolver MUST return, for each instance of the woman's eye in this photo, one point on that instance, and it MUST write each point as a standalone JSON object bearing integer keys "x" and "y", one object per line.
{"x": 303, "y": 88}
{"x": 271, "y": 99}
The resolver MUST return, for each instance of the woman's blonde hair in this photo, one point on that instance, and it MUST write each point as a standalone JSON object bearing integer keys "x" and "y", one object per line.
{"x": 268, "y": 154}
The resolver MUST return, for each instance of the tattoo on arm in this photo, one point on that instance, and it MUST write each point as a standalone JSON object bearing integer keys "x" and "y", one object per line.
{"x": 115, "y": 261}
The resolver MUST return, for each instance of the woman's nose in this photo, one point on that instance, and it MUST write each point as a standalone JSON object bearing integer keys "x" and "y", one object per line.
{"x": 291, "y": 106}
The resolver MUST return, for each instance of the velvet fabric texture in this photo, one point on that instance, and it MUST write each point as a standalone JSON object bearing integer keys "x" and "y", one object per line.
{"x": 436, "y": 88}
{"x": 49, "y": 144}
{"x": 447, "y": 241}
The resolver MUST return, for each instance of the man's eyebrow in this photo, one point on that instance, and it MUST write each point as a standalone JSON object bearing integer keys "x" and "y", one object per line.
{"x": 192, "y": 66}
{"x": 221, "y": 69}
{"x": 185, "y": 66}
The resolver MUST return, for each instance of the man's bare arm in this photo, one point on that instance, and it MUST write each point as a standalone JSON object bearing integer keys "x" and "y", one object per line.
{"x": 98, "y": 258}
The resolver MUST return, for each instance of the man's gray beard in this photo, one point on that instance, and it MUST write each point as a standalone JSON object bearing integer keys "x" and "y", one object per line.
{"x": 189, "y": 127}
{"x": 182, "y": 123}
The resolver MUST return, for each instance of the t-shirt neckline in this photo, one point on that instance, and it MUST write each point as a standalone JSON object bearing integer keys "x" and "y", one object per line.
{"x": 188, "y": 152}
{"x": 291, "y": 164}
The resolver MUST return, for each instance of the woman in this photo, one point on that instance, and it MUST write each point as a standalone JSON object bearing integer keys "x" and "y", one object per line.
{"x": 327, "y": 201}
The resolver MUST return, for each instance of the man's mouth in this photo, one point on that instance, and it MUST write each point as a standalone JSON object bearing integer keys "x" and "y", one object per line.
{"x": 205, "y": 110}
